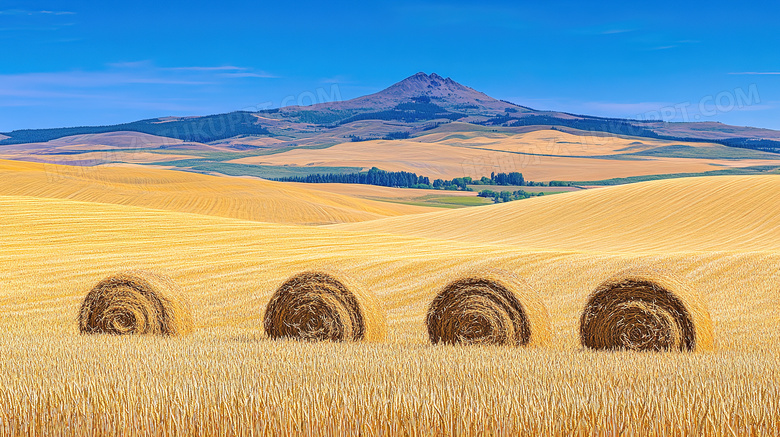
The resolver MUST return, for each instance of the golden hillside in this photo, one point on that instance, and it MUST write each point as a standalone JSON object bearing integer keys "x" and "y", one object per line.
{"x": 723, "y": 213}
{"x": 52, "y": 251}
{"x": 243, "y": 198}
{"x": 228, "y": 374}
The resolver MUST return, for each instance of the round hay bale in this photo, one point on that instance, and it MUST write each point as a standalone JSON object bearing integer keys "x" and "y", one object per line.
{"x": 320, "y": 305}
{"x": 488, "y": 307}
{"x": 645, "y": 311}
{"x": 136, "y": 302}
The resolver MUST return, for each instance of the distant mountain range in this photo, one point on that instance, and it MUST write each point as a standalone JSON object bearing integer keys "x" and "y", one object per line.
{"x": 416, "y": 104}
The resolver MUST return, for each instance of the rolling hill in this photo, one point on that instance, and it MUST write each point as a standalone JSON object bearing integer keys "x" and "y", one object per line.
{"x": 242, "y": 198}
{"x": 52, "y": 251}
{"x": 726, "y": 213}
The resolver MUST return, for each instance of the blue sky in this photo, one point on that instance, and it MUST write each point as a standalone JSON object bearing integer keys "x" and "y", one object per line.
{"x": 89, "y": 63}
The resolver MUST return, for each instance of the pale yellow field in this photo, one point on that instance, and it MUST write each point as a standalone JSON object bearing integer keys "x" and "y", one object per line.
{"x": 532, "y": 154}
{"x": 722, "y": 213}
{"x": 243, "y": 198}
{"x": 228, "y": 379}
{"x": 553, "y": 142}
{"x": 103, "y": 157}
{"x": 410, "y": 196}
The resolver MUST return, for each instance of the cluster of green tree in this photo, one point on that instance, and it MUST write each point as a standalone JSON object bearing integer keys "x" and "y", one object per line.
{"x": 507, "y": 196}
{"x": 401, "y": 135}
{"x": 391, "y": 136}
{"x": 374, "y": 176}
{"x": 320, "y": 117}
{"x": 404, "y": 179}
{"x": 198, "y": 129}
{"x": 515, "y": 105}
{"x": 511, "y": 178}
{"x": 405, "y": 116}
{"x": 465, "y": 106}
{"x": 357, "y": 138}
{"x": 505, "y": 119}
{"x": 457, "y": 184}
{"x": 421, "y": 107}
{"x": 753, "y": 143}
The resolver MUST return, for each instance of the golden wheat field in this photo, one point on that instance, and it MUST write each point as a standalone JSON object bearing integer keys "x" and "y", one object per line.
{"x": 242, "y": 198}
{"x": 720, "y": 236}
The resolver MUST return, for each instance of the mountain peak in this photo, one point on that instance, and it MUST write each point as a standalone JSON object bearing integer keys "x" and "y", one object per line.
{"x": 432, "y": 76}
{"x": 426, "y": 84}
{"x": 442, "y": 91}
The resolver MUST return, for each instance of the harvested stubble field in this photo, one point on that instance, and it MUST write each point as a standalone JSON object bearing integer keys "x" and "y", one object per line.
{"x": 241, "y": 198}
{"x": 227, "y": 378}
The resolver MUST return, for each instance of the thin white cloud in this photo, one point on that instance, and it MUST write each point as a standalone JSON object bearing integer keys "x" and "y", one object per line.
{"x": 26, "y": 12}
{"x": 57, "y": 12}
{"x": 230, "y": 71}
{"x": 338, "y": 79}
{"x": 614, "y": 28}
{"x": 615, "y": 31}
{"x": 197, "y": 71}
{"x": 760, "y": 72}
{"x": 220, "y": 68}
{"x": 132, "y": 64}
{"x": 260, "y": 74}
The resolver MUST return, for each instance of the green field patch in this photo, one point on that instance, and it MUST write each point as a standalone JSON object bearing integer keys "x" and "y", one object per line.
{"x": 439, "y": 201}
{"x": 260, "y": 171}
{"x": 533, "y": 189}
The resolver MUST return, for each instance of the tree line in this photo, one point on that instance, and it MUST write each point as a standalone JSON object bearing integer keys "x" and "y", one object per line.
{"x": 507, "y": 196}
{"x": 403, "y": 179}
{"x": 374, "y": 176}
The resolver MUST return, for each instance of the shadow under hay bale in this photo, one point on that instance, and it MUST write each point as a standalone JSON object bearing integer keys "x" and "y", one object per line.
{"x": 488, "y": 307}
{"x": 136, "y": 302}
{"x": 319, "y": 305}
{"x": 645, "y": 311}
